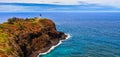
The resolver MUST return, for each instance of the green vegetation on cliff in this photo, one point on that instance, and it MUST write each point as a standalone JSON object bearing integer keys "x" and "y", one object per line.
{"x": 27, "y": 37}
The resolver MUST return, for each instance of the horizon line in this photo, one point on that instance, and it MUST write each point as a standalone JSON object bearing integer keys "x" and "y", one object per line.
{"x": 51, "y": 11}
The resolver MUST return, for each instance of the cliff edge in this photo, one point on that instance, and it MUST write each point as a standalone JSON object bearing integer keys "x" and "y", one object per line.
{"x": 28, "y": 37}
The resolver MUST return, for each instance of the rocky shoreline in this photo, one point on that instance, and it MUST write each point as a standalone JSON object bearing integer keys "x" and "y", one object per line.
{"x": 28, "y": 37}
{"x": 50, "y": 47}
{"x": 54, "y": 46}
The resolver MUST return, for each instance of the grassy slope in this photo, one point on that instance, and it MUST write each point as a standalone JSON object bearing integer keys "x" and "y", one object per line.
{"x": 14, "y": 27}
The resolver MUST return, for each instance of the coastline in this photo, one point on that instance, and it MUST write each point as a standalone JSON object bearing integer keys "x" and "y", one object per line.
{"x": 53, "y": 47}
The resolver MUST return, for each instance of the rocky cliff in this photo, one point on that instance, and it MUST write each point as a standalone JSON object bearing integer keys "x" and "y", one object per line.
{"x": 27, "y": 37}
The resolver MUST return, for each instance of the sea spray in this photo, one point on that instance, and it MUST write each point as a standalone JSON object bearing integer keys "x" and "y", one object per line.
{"x": 53, "y": 47}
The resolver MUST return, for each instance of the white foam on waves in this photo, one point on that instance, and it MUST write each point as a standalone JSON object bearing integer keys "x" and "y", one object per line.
{"x": 53, "y": 47}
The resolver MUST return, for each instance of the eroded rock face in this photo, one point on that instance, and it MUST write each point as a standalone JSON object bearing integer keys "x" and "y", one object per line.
{"x": 28, "y": 37}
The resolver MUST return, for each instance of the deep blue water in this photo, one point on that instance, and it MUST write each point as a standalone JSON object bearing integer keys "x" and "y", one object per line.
{"x": 94, "y": 34}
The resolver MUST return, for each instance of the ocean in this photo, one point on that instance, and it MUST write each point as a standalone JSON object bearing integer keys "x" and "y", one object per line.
{"x": 93, "y": 34}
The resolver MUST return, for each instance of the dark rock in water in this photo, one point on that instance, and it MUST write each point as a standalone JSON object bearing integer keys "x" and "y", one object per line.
{"x": 28, "y": 37}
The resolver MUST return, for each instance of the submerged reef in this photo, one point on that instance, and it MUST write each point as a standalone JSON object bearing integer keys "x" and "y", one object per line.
{"x": 28, "y": 37}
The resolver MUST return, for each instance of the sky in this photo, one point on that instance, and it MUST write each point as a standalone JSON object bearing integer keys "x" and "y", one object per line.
{"x": 58, "y": 5}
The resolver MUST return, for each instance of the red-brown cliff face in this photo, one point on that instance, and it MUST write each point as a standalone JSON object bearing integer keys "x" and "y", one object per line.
{"x": 28, "y": 37}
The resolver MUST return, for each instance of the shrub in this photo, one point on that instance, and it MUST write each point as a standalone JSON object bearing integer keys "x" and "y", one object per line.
{"x": 3, "y": 38}
{"x": 32, "y": 19}
{"x": 14, "y": 19}
{"x": 2, "y": 26}
{"x": 10, "y": 21}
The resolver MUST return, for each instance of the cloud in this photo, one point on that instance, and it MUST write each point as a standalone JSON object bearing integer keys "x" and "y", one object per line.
{"x": 26, "y": 7}
{"x": 42, "y": 1}
{"x": 16, "y": 8}
{"x": 114, "y": 3}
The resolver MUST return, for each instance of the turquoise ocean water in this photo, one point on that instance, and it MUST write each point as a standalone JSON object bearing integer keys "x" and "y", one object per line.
{"x": 94, "y": 34}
